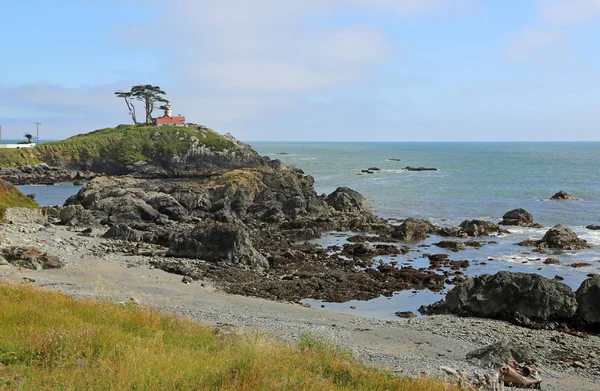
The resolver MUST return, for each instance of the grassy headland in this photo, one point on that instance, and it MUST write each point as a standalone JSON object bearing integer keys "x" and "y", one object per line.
{"x": 125, "y": 144}
{"x": 49, "y": 341}
{"x": 11, "y": 197}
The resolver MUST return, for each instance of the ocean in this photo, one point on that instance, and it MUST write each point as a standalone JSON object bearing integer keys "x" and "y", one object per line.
{"x": 472, "y": 181}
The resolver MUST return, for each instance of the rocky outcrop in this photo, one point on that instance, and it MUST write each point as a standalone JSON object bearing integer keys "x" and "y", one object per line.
{"x": 498, "y": 354}
{"x": 344, "y": 199}
{"x": 562, "y": 238}
{"x": 519, "y": 217}
{"x": 563, "y": 196}
{"x": 30, "y": 258}
{"x": 452, "y": 245}
{"x": 43, "y": 174}
{"x": 588, "y": 297}
{"x": 474, "y": 228}
{"x": 557, "y": 238}
{"x": 76, "y": 216}
{"x": 413, "y": 229}
{"x": 218, "y": 242}
{"x": 524, "y": 299}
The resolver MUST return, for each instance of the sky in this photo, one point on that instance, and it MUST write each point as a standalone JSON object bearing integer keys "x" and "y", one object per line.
{"x": 309, "y": 70}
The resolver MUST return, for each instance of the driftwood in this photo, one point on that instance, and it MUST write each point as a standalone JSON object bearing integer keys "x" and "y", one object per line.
{"x": 486, "y": 382}
{"x": 521, "y": 376}
{"x": 511, "y": 375}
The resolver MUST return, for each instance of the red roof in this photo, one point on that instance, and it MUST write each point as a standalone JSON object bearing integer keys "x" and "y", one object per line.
{"x": 171, "y": 120}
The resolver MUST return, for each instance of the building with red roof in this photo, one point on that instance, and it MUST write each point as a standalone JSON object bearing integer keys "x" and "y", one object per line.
{"x": 169, "y": 119}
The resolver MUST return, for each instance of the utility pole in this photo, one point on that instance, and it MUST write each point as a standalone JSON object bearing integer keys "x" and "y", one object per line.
{"x": 37, "y": 138}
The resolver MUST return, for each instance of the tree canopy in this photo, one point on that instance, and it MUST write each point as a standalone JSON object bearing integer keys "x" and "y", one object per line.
{"x": 148, "y": 94}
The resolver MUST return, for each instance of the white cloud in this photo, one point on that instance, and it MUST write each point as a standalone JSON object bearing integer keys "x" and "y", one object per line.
{"x": 554, "y": 20}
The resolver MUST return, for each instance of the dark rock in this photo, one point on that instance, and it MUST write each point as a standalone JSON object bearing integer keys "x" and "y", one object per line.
{"x": 498, "y": 354}
{"x": 412, "y": 230}
{"x": 562, "y": 238}
{"x": 31, "y": 196}
{"x": 409, "y": 168}
{"x": 593, "y": 227}
{"x": 187, "y": 280}
{"x": 405, "y": 314}
{"x": 344, "y": 199}
{"x": 519, "y": 217}
{"x": 474, "y": 228}
{"x": 588, "y": 298}
{"x": 358, "y": 249}
{"x": 31, "y": 258}
{"x": 580, "y": 264}
{"x": 451, "y": 245}
{"x": 524, "y": 299}
{"x": 563, "y": 196}
{"x": 551, "y": 261}
{"x": 394, "y": 160}
{"x": 218, "y": 242}
{"x": 76, "y": 216}
{"x": 374, "y": 169}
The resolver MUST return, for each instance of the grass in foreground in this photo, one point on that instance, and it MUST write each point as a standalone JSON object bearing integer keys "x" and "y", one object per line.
{"x": 49, "y": 341}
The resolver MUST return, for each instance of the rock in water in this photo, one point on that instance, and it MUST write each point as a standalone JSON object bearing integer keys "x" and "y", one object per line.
{"x": 563, "y": 196}
{"x": 344, "y": 199}
{"x": 562, "y": 238}
{"x": 519, "y": 217}
{"x": 412, "y": 230}
{"x": 588, "y": 298}
{"x": 474, "y": 228}
{"x": 524, "y": 299}
{"x": 218, "y": 242}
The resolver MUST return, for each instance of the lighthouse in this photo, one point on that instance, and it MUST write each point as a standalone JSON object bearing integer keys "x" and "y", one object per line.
{"x": 168, "y": 118}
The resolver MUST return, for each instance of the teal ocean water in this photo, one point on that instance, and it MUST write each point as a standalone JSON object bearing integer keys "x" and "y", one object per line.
{"x": 473, "y": 181}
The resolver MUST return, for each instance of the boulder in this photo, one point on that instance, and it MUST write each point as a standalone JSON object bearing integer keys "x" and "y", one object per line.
{"x": 588, "y": 298}
{"x": 344, "y": 199}
{"x": 563, "y": 196}
{"x": 76, "y": 216}
{"x": 451, "y": 245}
{"x": 519, "y": 217}
{"x": 593, "y": 227}
{"x": 524, "y": 299}
{"x": 501, "y": 353}
{"x": 218, "y": 242}
{"x": 412, "y": 230}
{"x": 562, "y": 238}
{"x": 474, "y": 228}
{"x": 31, "y": 258}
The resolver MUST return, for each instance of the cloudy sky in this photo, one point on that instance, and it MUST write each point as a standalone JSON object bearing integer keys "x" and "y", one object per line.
{"x": 349, "y": 70}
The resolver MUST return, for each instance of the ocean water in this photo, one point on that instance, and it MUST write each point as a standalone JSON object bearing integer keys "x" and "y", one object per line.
{"x": 473, "y": 181}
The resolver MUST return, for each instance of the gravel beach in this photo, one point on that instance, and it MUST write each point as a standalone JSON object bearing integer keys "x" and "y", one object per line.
{"x": 98, "y": 268}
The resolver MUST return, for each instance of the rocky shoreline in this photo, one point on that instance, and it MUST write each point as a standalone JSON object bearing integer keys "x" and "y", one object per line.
{"x": 103, "y": 268}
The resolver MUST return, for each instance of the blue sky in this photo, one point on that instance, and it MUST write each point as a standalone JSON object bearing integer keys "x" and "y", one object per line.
{"x": 349, "y": 70}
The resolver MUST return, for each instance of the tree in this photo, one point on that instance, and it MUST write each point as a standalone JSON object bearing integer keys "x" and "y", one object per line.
{"x": 148, "y": 94}
{"x": 29, "y": 137}
{"x": 128, "y": 96}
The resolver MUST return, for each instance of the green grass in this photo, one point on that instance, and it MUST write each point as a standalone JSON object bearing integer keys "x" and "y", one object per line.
{"x": 49, "y": 341}
{"x": 125, "y": 144}
{"x": 11, "y": 197}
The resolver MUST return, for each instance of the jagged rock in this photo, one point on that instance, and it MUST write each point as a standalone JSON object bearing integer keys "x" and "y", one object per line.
{"x": 124, "y": 232}
{"x": 501, "y": 353}
{"x": 563, "y": 196}
{"x": 519, "y": 217}
{"x": 76, "y": 216}
{"x": 218, "y": 242}
{"x": 31, "y": 258}
{"x": 344, "y": 199}
{"x": 562, "y": 238}
{"x": 551, "y": 261}
{"x": 412, "y": 230}
{"x": 593, "y": 227}
{"x": 588, "y": 298}
{"x": 451, "y": 245}
{"x": 524, "y": 299}
{"x": 474, "y": 228}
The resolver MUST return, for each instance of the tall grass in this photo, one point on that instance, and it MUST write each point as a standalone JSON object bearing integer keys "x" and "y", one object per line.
{"x": 49, "y": 341}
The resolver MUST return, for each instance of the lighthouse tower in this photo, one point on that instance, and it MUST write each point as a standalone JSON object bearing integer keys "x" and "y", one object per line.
{"x": 168, "y": 112}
